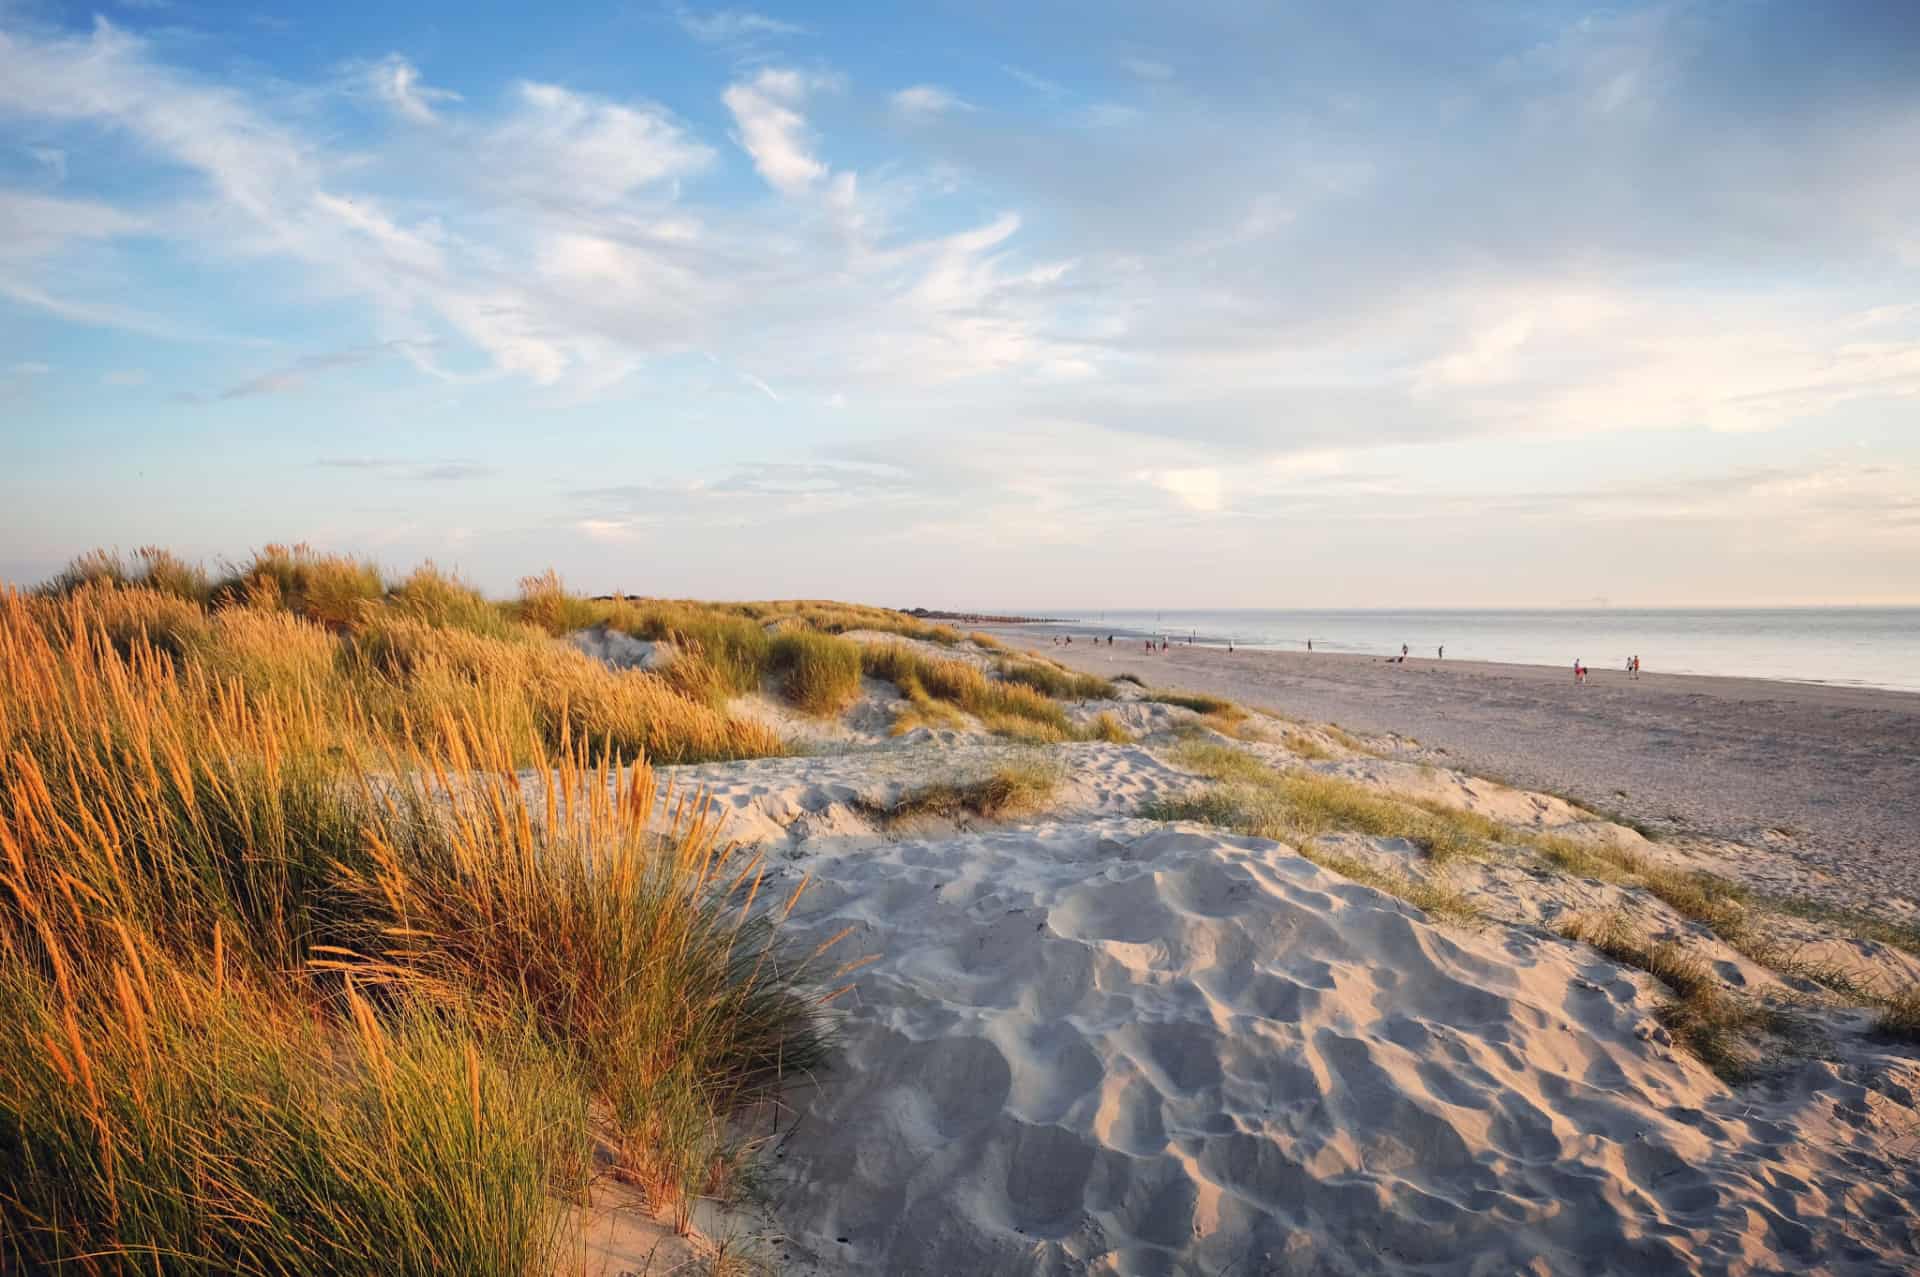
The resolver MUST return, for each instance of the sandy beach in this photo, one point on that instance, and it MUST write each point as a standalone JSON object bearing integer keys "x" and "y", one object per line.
{"x": 1820, "y": 783}
{"x": 1085, "y": 1038}
{"x": 914, "y": 952}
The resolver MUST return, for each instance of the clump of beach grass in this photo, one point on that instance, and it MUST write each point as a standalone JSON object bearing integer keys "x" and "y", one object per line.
{"x": 1900, "y": 1015}
{"x": 1301, "y": 806}
{"x": 1716, "y": 1025}
{"x": 1010, "y": 789}
{"x": 1305, "y": 747}
{"x": 1252, "y": 798}
{"x": 1198, "y": 702}
{"x": 442, "y": 599}
{"x": 1010, "y": 709}
{"x": 819, "y": 673}
{"x": 333, "y": 590}
{"x": 297, "y": 975}
{"x": 1252, "y": 807}
{"x": 1858, "y": 922}
{"x": 152, "y": 568}
{"x": 155, "y": 1116}
{"x": 1107, "y": 728}
{"x": 546, "y": 604}
{"x": 1053, "y": 679}
{"x": 551, "y": 923}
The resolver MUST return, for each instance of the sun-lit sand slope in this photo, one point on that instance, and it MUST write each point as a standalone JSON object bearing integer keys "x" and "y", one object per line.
{"x": 1094, "y": 1043}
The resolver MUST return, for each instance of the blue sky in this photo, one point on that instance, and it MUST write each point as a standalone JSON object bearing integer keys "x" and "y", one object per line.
{"x": 976, "y": 304}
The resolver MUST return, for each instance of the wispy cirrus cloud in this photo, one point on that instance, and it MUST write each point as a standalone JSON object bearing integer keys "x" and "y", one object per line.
{"x": 733, "y": 26}
{"x": 396, "y": 81}
{"x": 927, "y": 101}
{"x": 443, "y": 471}
{"x": 1166, "y": 287}
{"x": 772, "y": 130}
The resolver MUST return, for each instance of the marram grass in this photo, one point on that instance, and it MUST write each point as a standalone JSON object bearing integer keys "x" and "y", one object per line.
{"x": 299, "y": 974}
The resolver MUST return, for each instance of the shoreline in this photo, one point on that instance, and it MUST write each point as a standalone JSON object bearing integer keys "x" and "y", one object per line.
{"x": 1827, "y": 775}
{"x": 1039, "y": 630}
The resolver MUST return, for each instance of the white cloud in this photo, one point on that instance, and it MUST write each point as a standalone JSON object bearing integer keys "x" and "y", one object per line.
{"x": 586, "y": 147}
{"x": 733, "y": 26}
{"x": 396, "y": 82}
{"x": 926, "y": 101}
{"x": 773, "y": 131}
{"x": 125, "y": 377}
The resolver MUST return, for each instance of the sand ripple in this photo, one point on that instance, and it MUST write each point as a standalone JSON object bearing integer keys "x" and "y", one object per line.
{"x": 1115, "y": 1046}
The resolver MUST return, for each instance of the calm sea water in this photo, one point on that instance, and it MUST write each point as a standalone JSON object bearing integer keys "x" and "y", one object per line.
{"x": 1871, "y": 647}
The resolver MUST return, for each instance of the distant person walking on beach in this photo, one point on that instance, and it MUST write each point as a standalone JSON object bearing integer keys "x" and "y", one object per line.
{"x": 1443, "y": 652}
{"x": 1309, "y": 645}
{"x": 1403, "y": 651}
{"x": 1579, "y": 671}
{"x": 1635, "y": 667}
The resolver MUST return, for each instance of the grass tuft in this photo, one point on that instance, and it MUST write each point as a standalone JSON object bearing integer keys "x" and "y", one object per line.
{"x": 1052, "y": 679}
{"x": 1717, "y": 1026}
{"x": 329, "y": 589}
{"x": 1107, "y": 728}
{"x": 819, "y": 673}
{"x": 1301, "y": 806}
{"x": 1900, "y": 1015}
{"x": 298, "y": 975}
{"x": 1198, "y": 702}
{"x": 1010, "y": 709}
{"x": 1012, "y": 789}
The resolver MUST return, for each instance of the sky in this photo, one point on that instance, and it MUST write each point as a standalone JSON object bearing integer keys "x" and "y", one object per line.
{"x": 976, "y": 304}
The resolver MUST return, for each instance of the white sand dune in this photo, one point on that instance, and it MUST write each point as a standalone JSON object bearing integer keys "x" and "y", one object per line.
{"x": 1115, "y": 1046}
{"x": 1092, "y": 1043}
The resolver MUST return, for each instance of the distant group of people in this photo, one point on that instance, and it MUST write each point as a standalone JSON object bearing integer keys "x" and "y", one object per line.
{"x": 1439, "y": 653}
{"x": 1152, "y": 644}
{"x": 1580, "y": 669}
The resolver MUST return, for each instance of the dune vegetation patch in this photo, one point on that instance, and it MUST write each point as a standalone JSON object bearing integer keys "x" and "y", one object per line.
{"x": 937, "y": 687}
{"x": 1718, "y": 1026}
{"x": 819, "y": 673}
{"x": 1010, "y": 789}
{"x": 1261, "y": 810}
{"x": 1900, "y": 1016}
{"x": 1301, "y": 806}
{"x": 338, "y": 945}
{"x": 1053, "y": 679}
{"x": 1198, "y": 702}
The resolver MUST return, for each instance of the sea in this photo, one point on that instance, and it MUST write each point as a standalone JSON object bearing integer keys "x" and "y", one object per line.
{"x": 1861, "y": 646}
